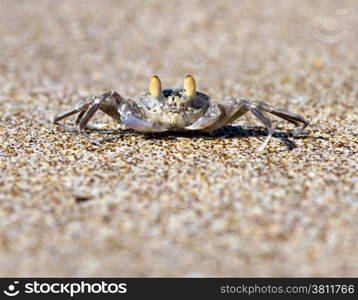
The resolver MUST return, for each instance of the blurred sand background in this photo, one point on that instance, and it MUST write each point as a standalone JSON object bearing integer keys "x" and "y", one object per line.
{"x": 185, "y": 204}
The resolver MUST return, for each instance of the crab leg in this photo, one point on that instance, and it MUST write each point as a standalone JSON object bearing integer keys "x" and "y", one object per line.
{"x": 231, "y": 111}
{"x": 79, "y": 117}
{"x": 108, "y": 103}
{"x": 258, "y": 109}
{"x": 96, "y": 102}
{"x": 266, "y": 121}
{"x": 288, "y": 116}
{"x": 234, "y": 109}
{"x": 73, "y": 110}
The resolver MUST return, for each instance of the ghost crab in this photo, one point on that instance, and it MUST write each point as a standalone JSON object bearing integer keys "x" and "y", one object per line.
{"x": 175, "y": 109}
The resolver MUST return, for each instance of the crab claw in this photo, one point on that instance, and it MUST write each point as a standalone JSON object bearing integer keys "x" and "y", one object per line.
{"x": 189, "y": 86}
{"x": 155, "y": 87}
{"x": 138, "y": 124}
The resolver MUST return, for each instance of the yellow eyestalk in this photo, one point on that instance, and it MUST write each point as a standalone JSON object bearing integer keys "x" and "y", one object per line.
{"x": 189, "y": 86}
{"x": 155, "y": 87}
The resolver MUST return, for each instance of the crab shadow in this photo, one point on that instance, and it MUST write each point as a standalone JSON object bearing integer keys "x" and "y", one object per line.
{"x": 227, "y": 132}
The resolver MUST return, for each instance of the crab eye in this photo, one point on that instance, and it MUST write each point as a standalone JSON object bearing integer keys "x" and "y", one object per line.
{"x": 155, "y": 87}
{"x": 189, "y": 86}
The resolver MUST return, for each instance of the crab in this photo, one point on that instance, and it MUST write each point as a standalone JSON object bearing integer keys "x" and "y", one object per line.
{"x": 175, "y": 109}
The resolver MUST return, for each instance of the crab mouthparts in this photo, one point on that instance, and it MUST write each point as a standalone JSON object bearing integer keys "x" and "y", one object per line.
{"x": 173, "y": 118}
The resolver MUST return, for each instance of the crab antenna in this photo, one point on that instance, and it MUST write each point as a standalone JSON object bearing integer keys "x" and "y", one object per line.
{"x": 155, "y": 87}
{"x": 189, "y": 86}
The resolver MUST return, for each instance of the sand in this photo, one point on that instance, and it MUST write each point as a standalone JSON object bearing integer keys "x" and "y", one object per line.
{"x": 179, "y": 204}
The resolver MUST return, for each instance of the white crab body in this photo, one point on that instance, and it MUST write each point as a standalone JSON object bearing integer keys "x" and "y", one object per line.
{"x": 171, "y": 111}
